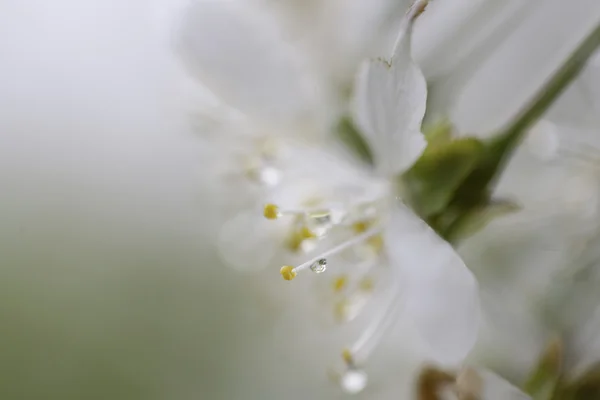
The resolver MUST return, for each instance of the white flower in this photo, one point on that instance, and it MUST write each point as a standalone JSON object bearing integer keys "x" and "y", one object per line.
{"x": 467, "y": 50}
{"x": 338, "y": 35}
{"x": 337, "y": 213}
{"x": 106, "y": 236}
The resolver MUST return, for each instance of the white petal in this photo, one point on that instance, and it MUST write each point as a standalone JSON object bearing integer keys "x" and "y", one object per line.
{"x": 441, "y": 293}
{"x": 457, "y": 33}
{"x": 241, "y": 55}
{"x": 498, "y": 89}
{"x": 390, "y": 104}
{"x": 484, "y": 384}
{"x": 247, "y": 242}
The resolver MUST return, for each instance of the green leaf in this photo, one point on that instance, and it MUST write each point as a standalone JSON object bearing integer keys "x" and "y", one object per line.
{"x": 349, "y": 135}
{"x": 430, "y": 184}
{"x": 543, "y": 382}
{"x": 477, "y": 218}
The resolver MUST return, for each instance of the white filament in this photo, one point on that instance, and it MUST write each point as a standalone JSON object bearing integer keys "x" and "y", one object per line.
{"x": 341, "y": 247}
{"x": 372, "y": 335}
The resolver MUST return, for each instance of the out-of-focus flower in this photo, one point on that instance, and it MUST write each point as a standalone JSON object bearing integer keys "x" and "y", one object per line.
{"x": 485, "y": 59}
{"x": 537, "y": 267}
{"x": 466, "y": 384}
{"x": 333, "y": 210}
{"x": 110, "y": 288}
{"x": 521, "y": 258}
{"x": 338, "y": 35}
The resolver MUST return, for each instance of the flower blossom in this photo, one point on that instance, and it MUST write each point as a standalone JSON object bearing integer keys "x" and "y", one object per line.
{"x": 328, "y": 211}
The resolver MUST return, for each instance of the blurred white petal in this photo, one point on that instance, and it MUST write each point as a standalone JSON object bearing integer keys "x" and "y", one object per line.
{"x": 484, "y": 384}
{"x": 441, "y": 293}
{"x": 456, "y": 33}
{"x": 247, "y": 242}
{"x": 241, "y": 55}
{"x": 361, "y": 29}
{"x": 578, "y": 105}
{"x": 390, "y": 105}
{"x": 488, "y": 97}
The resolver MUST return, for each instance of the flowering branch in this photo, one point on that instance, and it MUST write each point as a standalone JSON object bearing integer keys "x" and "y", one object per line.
{"x": 451, "y": 184}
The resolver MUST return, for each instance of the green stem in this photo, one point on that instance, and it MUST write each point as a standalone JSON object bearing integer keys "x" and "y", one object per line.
{"x": 476, "y": 190}
{"x": 511, "y": 135}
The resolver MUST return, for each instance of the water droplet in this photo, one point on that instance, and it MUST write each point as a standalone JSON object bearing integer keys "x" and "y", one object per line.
{"x": 353, "y": 381}
{"x": 321, "y": 222}
{"x": 259, "y": 171}
{"x": 319, "y": 266}
{"x": 322, "y": 219}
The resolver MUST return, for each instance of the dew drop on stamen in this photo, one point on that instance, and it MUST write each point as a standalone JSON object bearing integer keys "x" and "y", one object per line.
{"x": 322, "y": 222}
{"x": 258, "y": 170}
{"x": 353, "y": 381}
{"x": 319, "y": 266}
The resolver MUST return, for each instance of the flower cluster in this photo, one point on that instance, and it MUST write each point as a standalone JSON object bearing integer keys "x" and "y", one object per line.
{"x": 327, "y": 211}
{"x": 384, "y": 228}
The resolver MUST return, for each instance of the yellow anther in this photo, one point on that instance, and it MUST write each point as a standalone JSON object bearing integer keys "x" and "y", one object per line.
{"x": 339, "y": 283}
{"x": 287, "y": 272}
{"x": 376, "y": 243}
{"x": 347, "y": 357}
{"x": 294, "y": 242}
{"x": 366, "y": 284}
{"x": 271, "y": 211}
{"x": 361, "y": 226}
{"x": 340, "y": 310}
{"x": 306, "y": 233}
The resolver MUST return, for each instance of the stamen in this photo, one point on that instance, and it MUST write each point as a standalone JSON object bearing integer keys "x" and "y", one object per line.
{"x": 366, "y": 284}
{"x": 306, "y": 233}
{"x": 271, "y": 211}
{"x": 339, "y": 283}
{"x": 347, "y": 357}
{"x": 365, "y": 344}
{"x": 316, "y": 222}
{"x": 354, "y": 380}
{"x": 360, "y": 226}
{"x": 416, "y": 9}
{"x": 265, "y": 175}
{"x": 301, "y": 238}
{"x": 350, "y": 307}
{"x": 357, "y": 296}
{"x": 337, "y": 249}
{"x": 287, "y": 272}
{"x": 322, "y": 221}
{"x": 323, "y": 214}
